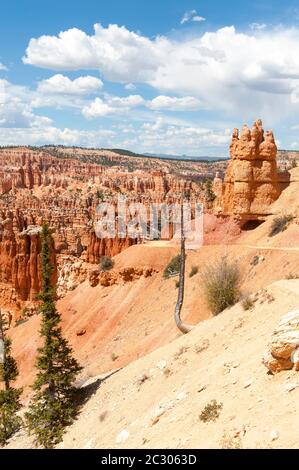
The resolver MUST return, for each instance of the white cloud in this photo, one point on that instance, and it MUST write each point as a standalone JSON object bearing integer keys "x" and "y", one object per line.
{"x": 188, "y": 103}
{"x": 295, "y": 94}
{"x": 127, "y": 101}
{"x": 180, "y": 139}
{"x": 116, "y": 105}
{"x": 97, "y": 108}
{"x": 130, "y": 86}
{"x": 60, "y": 84}
{"x": 117, "y": 52}
{"x": 53, "y": 135}
{"x": 191, "y": 15}
{"x": 3, "y": 67}
{"x": 19, "y": 124}
{"x": 227, "y": 70}
{"x": 112, "y": 105}
{"x": 158, "y": 136}
{"x": 15, "y": 108}
{"x": 198, "y": 18}
{"x": 40, "y": 100}
{"x": 258, "y": 26}
{"x": 294, "y": 145}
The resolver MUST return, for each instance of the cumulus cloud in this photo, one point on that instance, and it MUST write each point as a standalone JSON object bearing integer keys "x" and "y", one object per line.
{"x": 116, "y": 105}
{"x": 60, "y": 84}
{"x": 19, "y": 102}
{"x": 187, "y": 103}
{"x": 127, "y": 101}
{"x": 191, "y": 15}
{"x": 112, "y": 105}
{"x": 226, "y": 70}
{"x": 3, "y": 67}
{"x": 19, "y": 124}
{"x": 97, "y": 108}
{"x": 15, "y": 108}
{"x": 116, "y": 51}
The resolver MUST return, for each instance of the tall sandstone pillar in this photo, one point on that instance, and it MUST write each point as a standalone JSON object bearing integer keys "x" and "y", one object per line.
{"x": 252, "y": 181}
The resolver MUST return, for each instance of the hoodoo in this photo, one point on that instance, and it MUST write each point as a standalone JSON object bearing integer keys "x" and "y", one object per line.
{"x": 252, "y": 181}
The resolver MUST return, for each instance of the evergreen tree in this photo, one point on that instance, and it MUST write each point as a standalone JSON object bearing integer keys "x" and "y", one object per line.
{"x": 10, "y": 422}
{"x": 52, "y": 407}
{"x": 209, "y": 193}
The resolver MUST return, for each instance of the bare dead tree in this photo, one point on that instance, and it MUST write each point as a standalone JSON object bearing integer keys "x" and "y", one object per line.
{"x": 2, "y": 339}
{"x": 183, "y": 327}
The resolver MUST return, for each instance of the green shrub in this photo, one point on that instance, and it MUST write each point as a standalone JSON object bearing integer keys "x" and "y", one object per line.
{"x": 247, "y": 303}
{"x": 114, "y": 357}
{"x": 100, "y": 195}
{"x": 106, "y": 263}
{"x": 209, "y": 193}
{"x": 211, "y": 411}
{"x": 221, "y": 283}
{"x": 280, "y": 224}
{"x": 194, "y": 271}
{"x": 20, "y": 321}
{"x": 173, "y": 267}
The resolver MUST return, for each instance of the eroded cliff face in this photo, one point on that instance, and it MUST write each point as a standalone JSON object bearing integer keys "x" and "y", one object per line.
{"x": 36, "y": 186}
{"x": 22, "y": 168}
{"x": 252, "y": 180}
{"x": 20, "y": 264}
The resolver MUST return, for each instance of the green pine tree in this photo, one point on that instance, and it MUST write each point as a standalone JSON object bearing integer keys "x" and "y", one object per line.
{"x": 209, "y": 193}
{"x": 10, "y": 404}
{"x": 52, "y": 407}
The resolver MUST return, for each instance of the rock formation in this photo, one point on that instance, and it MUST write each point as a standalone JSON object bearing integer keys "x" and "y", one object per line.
{"x": 252, "y": 181}
{"x": 20, "y": 260}
{"x": 58, "y": 186}
{"x": 283, "y": 350}
{"x": 109, "y": 278}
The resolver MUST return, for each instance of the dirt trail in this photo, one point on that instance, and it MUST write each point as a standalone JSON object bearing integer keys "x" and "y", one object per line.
{"x": 167, "y": 244}
{"x": 273, "y": 248}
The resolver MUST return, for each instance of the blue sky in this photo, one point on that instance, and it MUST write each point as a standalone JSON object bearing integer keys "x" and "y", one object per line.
{"x": 161, "y": 76}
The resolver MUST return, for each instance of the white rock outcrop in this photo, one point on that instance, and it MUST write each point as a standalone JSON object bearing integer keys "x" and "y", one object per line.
{"x": 283, "y": 350}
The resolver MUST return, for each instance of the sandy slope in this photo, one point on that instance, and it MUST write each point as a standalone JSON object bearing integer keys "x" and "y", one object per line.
{"x": 156, "y": 401}
{"x": 126, "y": 321}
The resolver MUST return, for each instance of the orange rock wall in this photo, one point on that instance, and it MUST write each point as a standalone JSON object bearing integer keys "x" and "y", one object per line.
{"x": 20, "y": 260}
